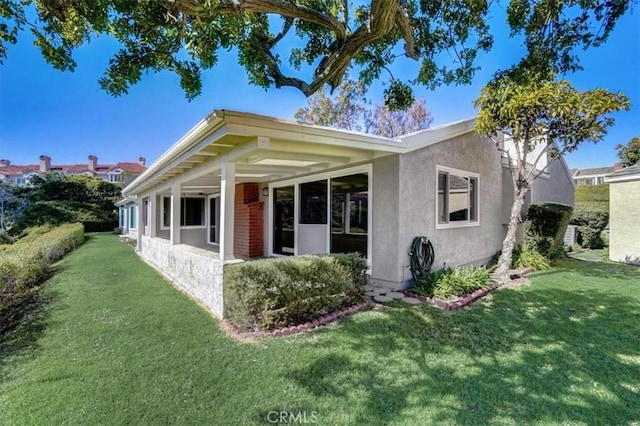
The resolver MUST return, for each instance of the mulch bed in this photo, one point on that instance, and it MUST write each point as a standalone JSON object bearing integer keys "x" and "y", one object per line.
{"x": 294, "y": 329}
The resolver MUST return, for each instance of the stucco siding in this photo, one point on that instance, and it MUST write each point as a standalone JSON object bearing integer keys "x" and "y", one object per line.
{"x": 556, "y": 188}
{"x": 418, "y": 179}
{"x": 387, "y": 265}
{"x": 197, "y": 272}
{"x": 624, "y": 228}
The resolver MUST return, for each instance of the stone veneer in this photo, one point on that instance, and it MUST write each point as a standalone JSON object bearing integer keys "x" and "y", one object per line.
{"x": 196, "y": 271}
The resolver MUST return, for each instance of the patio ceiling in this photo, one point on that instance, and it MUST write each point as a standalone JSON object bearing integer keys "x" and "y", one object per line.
{"x": 263, "y": 149}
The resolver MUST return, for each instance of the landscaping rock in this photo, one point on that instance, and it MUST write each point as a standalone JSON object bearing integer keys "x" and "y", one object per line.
{"x": 395, "y": 295}
{"x": 411, "y": 300}
{"x": 370, "y": 293}
{"x": 382, "y": 299}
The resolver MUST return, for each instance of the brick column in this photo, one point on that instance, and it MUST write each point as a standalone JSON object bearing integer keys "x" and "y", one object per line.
{"x": 248, "y": 238}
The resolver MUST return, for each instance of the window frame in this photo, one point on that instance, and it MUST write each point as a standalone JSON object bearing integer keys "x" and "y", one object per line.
{"x": 165, "y": 206}
{"x": 458, "y": 223}
{"x": 133, "y": 217}
{"x": 215, "y": 197}
{"x": 203, "y": 224}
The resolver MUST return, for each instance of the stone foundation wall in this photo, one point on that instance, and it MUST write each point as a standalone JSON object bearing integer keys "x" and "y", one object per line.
{"x": 196, "y": 271}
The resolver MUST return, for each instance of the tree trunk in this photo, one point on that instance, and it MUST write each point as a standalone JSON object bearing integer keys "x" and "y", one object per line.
{"x": 504, "y": 263}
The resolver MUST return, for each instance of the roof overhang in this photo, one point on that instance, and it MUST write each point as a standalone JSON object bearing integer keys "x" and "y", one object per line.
{"x": 262, "y": 149}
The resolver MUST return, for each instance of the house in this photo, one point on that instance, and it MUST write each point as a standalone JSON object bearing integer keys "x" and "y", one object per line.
{"x": 119, "y": 172}
{"x": 593, "y": 176}
{"x": 624, "y": 210}
{"x": 239, "y": 186}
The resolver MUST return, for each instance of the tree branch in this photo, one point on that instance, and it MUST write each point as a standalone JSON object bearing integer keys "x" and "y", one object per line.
{"x": 280, "y": 7}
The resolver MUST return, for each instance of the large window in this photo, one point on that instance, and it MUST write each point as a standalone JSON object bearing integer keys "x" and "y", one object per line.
{"x": 214, "y": 220}
{"x": 457, "y": 201}
{"x": 192, "y": 212}
{"x": 132, "y": 217}
{"x": 313, "y": 202}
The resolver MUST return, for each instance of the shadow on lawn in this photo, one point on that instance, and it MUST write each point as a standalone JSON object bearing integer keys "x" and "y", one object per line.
{"x": 548, "y": 355}
{"x": 22, "y": 340}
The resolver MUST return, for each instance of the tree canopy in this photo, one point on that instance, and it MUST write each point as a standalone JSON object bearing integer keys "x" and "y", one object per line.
{"x": 306, "y": 44}
{"x": 541, "y": 121}
{"x": 349, "y": 109}
{"x": 629, "y": 154}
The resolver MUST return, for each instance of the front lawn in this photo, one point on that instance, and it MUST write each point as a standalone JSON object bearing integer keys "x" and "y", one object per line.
{"x": 116, "y": 344}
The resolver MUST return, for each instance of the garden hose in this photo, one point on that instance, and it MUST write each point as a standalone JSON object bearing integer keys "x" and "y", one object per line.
{"x": 421, "y": 257}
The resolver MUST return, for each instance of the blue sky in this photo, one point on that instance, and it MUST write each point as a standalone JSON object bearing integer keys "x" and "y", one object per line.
{"x": 67, "y": 116}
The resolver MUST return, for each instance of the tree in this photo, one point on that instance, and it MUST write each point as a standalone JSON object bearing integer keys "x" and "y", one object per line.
{"x": 540, "y": 119}
{"x": 321, "y": 38}
{"x": 629, "y": 154}
{"x": 351, "y": 110}
{"x": 346, "y": 111}
{"x": 400, "y": 122}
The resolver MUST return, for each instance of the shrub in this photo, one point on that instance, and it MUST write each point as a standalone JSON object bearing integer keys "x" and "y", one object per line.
{"x": 27, "y": 262}
{"x": 591, "y": 219}
{"x": 452, "y": 282}
{"x": 530, "y": 258}
{"x": 545, "y": 227}
{"x": 273, "y": 293}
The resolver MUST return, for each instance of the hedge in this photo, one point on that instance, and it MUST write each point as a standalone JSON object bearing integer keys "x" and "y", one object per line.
{"x": 591, "y": 218}
{"x": 545, "y": 227}
{"x": 27, "y": 262}
{"x": 273, "y": 293}
{"x": 592, "y": 193}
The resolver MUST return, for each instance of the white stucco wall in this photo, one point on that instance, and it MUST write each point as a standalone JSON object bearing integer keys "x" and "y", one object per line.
{"x": 624, "y": 228}
{"x": 418, "y": 180}
{"x": 198, "y": 272}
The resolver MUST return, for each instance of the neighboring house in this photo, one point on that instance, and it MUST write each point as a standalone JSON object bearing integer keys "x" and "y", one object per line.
{"x": 120, "y": 172}
{"x": 594, "y": 176}
{"x": 624, "y": 209}
{"x": 240, "y": 186}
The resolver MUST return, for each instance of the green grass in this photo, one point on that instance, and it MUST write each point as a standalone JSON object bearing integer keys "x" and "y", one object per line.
{"x": 594, "y": 255}
{"x": 115, "y": 344}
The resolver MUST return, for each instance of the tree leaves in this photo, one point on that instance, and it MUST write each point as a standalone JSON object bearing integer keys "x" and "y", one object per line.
{"x": 328, "y": 35}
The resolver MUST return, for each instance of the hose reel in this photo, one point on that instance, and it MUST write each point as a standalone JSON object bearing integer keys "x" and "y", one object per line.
{"x": 420, "y": 257}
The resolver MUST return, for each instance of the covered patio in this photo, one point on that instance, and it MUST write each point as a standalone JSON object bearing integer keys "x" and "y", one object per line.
{"x": 240, "y": 186}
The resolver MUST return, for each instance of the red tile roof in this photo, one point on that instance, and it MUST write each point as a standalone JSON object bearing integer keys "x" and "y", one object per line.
{"x": 72, "y": 168}
{"x": 130, "y": 167}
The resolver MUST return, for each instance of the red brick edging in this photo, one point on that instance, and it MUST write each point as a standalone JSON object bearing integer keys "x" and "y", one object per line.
{"x": 294, "y": 329}
{"x": 461, "y": 302}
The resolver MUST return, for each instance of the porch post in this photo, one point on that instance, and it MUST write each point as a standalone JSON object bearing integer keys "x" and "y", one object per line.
{"x": 139, "y": 224}
{"x": 227, "y": 200}
{"x": 153, "y": 209}
{"x": 174, "y": 233}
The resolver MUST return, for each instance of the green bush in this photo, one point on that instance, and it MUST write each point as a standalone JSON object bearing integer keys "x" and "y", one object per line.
{"x": 97, "y": 217}
{"x": 530, "y": 258}
{"x": 545, "y": 227}
{"x": 452, "y": 282}
{"x": 591, "y": 219}
{"x": 273, "y": 293}
{"x": 27, "y": 262}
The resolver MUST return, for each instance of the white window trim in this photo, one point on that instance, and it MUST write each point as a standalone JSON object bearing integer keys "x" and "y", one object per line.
{"x": 459, "y": 223}
{"x": 365, "y": 168}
